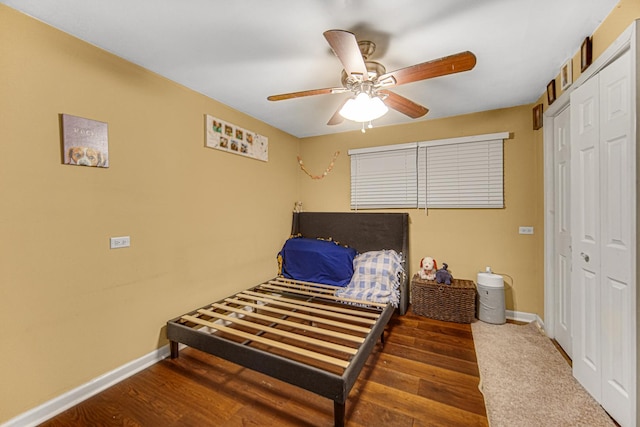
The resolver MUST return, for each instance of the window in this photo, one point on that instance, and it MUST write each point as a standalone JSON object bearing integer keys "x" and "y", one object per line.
{"x": 462, "y": 172}
{"x": 384, "y": 177}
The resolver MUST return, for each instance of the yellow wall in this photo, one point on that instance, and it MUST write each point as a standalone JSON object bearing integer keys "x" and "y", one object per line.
{"x": 467, "y": 239}
{"x": 203, "y": 223}
{"x": 620, "y": 18}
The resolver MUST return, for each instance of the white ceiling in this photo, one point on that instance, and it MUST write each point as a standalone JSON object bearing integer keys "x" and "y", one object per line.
{"x": 239, "y": 52}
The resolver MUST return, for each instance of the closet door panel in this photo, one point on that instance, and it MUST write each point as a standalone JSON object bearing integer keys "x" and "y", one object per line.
{"x": 562, "y": 231}
{"x": 617, "y": 181}
{"x": 585, "y": 235}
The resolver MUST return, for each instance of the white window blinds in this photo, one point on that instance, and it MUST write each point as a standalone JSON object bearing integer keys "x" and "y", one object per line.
{"x": 462, "y": 172}
{"x": 384, "y": 177}
{"x": 448, "y": 173}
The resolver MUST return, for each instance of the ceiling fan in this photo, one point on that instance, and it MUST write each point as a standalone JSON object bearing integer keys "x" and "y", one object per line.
{"x": 368, "y": 80}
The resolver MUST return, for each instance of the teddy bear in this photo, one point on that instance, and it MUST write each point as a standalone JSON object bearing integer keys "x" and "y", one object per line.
{"x": 428, "y": 268}
{"x": 443, "y": 276}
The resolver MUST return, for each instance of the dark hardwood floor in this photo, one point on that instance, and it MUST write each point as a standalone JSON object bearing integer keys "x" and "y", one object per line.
{"x": 425, "y": 375}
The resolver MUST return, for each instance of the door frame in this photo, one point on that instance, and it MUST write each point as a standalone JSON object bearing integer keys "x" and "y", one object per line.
{"x": 620, "y": 45}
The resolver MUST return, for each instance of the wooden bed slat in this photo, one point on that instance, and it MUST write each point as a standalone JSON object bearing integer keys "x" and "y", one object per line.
{"x": 328, "y": 296}
{"x": 272, "y": 343}
{"x": 324, "y": 307}
{"x": 277, "y": 301}
{"x": 302, "y": 287}
{"x": 301, "y": 282}
{"x": 322, "y": 331}
{"x": 329, "y": 322}
{"x": 280, "y": 332}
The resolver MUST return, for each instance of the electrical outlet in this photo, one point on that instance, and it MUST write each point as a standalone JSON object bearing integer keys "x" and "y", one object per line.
{"x": 120, "y": 242}
{"x": 526, "y": 230}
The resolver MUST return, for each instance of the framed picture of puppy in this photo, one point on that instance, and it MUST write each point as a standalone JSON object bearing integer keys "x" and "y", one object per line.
{"x": 85, "y": 142}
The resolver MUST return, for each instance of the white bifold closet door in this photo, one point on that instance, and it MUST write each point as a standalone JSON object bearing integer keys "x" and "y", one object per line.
{"x": 602, "y": 194}
{"x": 562, "y": 229}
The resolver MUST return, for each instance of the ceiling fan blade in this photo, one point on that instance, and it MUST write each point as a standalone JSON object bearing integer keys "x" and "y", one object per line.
{"x": 336, "y": 119}
{"x": 306, "y": 93}
{"x": 404, "y": 105}
{"x": 463, "y": 61}
{"x": 345, "y": 46}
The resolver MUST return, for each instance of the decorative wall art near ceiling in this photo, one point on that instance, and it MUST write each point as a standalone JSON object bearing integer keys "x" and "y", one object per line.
{"x": 234, "y": 139}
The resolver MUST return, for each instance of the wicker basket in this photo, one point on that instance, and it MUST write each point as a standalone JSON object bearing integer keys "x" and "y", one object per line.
{"x": 452, "y": 303}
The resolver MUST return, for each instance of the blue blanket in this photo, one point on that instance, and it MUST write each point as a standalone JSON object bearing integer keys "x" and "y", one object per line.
{"x": 318, "y": 261}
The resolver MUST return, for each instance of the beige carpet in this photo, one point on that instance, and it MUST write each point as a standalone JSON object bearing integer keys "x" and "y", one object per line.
{"x": 527, "y": 382}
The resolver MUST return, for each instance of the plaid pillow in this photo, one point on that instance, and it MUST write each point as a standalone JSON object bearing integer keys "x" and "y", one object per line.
{"x": 376, "y": 277}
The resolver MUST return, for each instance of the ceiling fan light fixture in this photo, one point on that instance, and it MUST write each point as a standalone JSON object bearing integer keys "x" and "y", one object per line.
{"x": 363, "y": 108}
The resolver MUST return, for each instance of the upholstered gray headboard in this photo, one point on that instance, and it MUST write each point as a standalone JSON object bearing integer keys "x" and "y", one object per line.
{"x": 363, "y": 232}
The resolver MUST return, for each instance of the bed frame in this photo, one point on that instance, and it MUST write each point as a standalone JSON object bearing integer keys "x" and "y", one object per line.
{"x": 297, "y": 331}
{"x": 363, "y": 232}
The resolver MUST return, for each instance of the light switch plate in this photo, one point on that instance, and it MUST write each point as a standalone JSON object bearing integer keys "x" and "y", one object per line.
{"x": 120, "y": 242}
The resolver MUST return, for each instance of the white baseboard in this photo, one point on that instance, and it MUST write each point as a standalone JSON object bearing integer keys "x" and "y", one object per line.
{"x": 65, "y": 401}
{"x": 524, "y": 317}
